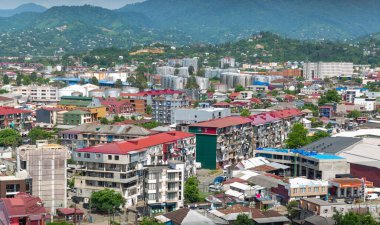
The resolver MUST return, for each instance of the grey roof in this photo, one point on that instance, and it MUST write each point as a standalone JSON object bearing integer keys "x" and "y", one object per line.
{"x": 278, "y": 165}
{"x": 319, "y": 220}
{"x": 111, "y": 129}
{"x": 332, "y": 145}
{"x": 270, "y": 220}
{"x": 321, "y": 202}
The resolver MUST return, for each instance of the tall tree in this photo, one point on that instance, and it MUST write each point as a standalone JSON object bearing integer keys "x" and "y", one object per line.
{"x": 19, "y": 79}
{"x": 33, "y": 76}
{"x": 39, "y": 134}
{"x": 352, "y": 218}
{"x": 191, "y": 192}
{"x": 354, "y": 114}
{"x": 297, "y": 136}
{"x": 94, "y": 81}
{"x": 5, "y": 79}
{"x": 118, "y": 83}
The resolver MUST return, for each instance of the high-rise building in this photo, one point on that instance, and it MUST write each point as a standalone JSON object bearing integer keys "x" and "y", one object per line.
{"x": 164, "y": 104}
{"x": 38, "y": 93}
{"x": 321, "y": 70}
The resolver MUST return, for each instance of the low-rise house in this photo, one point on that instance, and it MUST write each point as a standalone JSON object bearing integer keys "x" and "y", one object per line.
{"x": 116, "y": 107}
{"x": 23, "y": 209}
{"x": 47, "y": 117}
{"x": 9, "y": 102}
{"x": 14, "y": 184}
{"x": 92, "y": 105}
{"x": 349, "y": 187}
{"x": 184, "y": 216}
{"x": 297, "y": 188}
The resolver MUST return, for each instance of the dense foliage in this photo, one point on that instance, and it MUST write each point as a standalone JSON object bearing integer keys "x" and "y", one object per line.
{"x": 191, "y": 192}
{"x": 107, "y": 200}
{"x": 243, "y": 219}
{"x": 39, "y": 134}
{"x": 298, "y": 136}
{"x": 150, "y": 221}
{"x": 10, "y": 137}
{"x": 352, "y": 218}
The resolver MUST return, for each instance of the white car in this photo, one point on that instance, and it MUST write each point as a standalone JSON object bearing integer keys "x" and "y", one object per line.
{"x": 372, "y": 196}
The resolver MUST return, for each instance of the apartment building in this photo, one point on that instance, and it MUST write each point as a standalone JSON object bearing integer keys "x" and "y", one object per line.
{"x": 93, "y": 105}
{"x": 185, "y": 117}
{"x": 299, "y": 187}
{"x": 311, "y": 165}
{"x": 46, "y": 165}
{"x": 47, "y": 117}
{"x": 120, "y": 165}
{"x": 271, "y": 129}
{"x": 8, "y": 102}
{"x": 87, "y": 135}
{"x": 15, "y": 118}
{"x": 366, "y": 104}
{"x": 77, "y": 117}
{"x": 116, "y": 106}
{"x": 36, "y": 93}
{"x": 173, "y": 82}
{"x": 234, "y": 79}
{"x": 164, "y": 104}
{"x": 163, "y": 187}
{"x": 321, "y": 70}
{"x": 193, "y": 62}
{"x": 223, "y": 141}
{"x": 226, "y": 62}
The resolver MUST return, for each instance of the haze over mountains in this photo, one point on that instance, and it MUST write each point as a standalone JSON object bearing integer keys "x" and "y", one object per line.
{"x": 82, "y": 28}
{"x": 30, "y": 7}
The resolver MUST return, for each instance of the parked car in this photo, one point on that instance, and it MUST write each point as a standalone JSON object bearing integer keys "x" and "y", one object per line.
{"x": 349, "y": 200}
{"x": 372, "y": 196}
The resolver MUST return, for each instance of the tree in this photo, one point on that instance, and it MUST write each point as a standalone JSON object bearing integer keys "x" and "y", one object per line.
{"x": 18, "y": 80}
{"x": 192, "y": 83}
{"x": 297, "y": 136}
{"x": 94, "y": 81}
{"x": 26, "y": 80}
{"x": 33, "y": 76}
{"x": 239, "y": 88}
{"x": 191, "y": 192}
{"x": 317, "y": 135}
{"x": 150, "y": 221}
{"x": 107, "y": 200}
{"x": 191, "y": 70}
{"x": 5, "y": 79}
{"x": 82, "y": 81}
{"x": 118, "y": 83}
{"x": 10, "y": 137}
{"x": 292, "y": 209}
{"x": 354, "y": 114}
{"x": 39, "y": 134}
{"x": 243, "y": 219}
{"x": 245, "y": 113}
{"x": 329, "y": 97}
{"x": 104, "y": 120}
{"x": 138, "y": 79}
{"x": 352, "y": 218}
{"x": 148, "y": 110}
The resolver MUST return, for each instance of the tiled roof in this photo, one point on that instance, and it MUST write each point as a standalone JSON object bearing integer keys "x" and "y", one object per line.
{"x": 10, "y": 110}
{"x": 137, "y": 144}
{"x": 2, "y": 98}
{"x": 23, "y": 204}
{"x": 70, "y": 211}
{"x": 177, "y": 216}
{"x": 268, "y": 117}
{"x": 223, "y": 122}
{"x": 109, "y": 129}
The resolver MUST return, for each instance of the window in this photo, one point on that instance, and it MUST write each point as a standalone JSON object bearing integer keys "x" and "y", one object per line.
{"x": 152, "y": 186}
{"x": 79, "y": 155}
{"x": 295, "y": 191}
{"x": 123, "y": 176}
{"x": 309, "y": 189}
{"x": 303, "y": 190}
{"x": 171, "y": 176}
{"x": 152, "y": 176}
{"x": 97, "y": 156}
{"x": 152, "y": 196}
{"x": 323, "y": 188}
{"x": 116, "y": 157}
{"x": 109, "y": 157}
{"x": 87, "y": 155}
{"x": 316, "y": 189}
{"x": 13, "y": 187}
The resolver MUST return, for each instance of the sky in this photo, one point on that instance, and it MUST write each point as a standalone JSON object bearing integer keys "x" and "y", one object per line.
{"x": 111, "y": 4}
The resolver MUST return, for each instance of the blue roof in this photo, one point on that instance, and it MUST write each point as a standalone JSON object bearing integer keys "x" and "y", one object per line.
{"x": 312, "y": 154}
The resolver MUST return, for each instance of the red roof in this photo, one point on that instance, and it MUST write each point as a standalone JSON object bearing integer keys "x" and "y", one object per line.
{"x": 234, "y": 95}
{"x": 52, "y": 109}
{"x": 223, "y": 122}
{"x": 137, "y": 144}
{"x": 268, "y": 117}
{"x": 221, "y": 104}
{"x": 70, "y": 211}
{"x": 114, "y": 101}
{"x": 256, "y": 100}
{"x": 153, "y": 92}
{"x": 23, "y": 204}
{"x": 11, "y": 110}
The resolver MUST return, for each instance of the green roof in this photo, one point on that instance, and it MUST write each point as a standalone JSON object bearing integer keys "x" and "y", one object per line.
{"x": 75, "y": 103}
{"x": 78, "y": 112}
{"x": 80, "y": 98}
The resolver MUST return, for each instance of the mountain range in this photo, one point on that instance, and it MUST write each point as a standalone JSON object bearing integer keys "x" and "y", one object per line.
{"x": 30, "y": 7}
{"x": 36, "y": 30}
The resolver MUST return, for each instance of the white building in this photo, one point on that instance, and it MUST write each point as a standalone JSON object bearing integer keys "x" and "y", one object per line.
{"x": 173, "y": 82}
{"x": 191, "y": 116}
{"x": 165, "y": 70}
{"x": 227, "y": 62}
{"x": 202, "y": 82}
{"x": 84, "y": 90}
{"x": 323, "y": 70}
{"x": 367, "y": 103}
{"x": 234, "y": 79}
{"x": 187, "y": 62}
{"x": 38, "y": 93}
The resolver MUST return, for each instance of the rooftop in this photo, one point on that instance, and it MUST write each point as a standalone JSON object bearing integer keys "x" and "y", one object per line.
{"x": 10, "y": 110}
{"x": 311, "y": 154}
{"x": 332, "y": 145}
{"x": 137, "y": 144}
{"x": 23, "y": 204}
{"x": 223, "y": 122}
{"x": 108, "y": 129}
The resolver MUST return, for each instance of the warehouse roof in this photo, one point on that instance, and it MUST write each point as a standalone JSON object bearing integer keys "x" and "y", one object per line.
{"x": 332, "y": 145}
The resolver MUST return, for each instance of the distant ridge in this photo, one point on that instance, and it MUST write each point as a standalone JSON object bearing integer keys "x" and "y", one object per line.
{"x": 29, "y": 7}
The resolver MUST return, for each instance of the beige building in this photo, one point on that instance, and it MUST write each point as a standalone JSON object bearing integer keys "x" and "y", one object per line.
{"x": 46, "y": 164}
{"x": 38, "y": 93}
